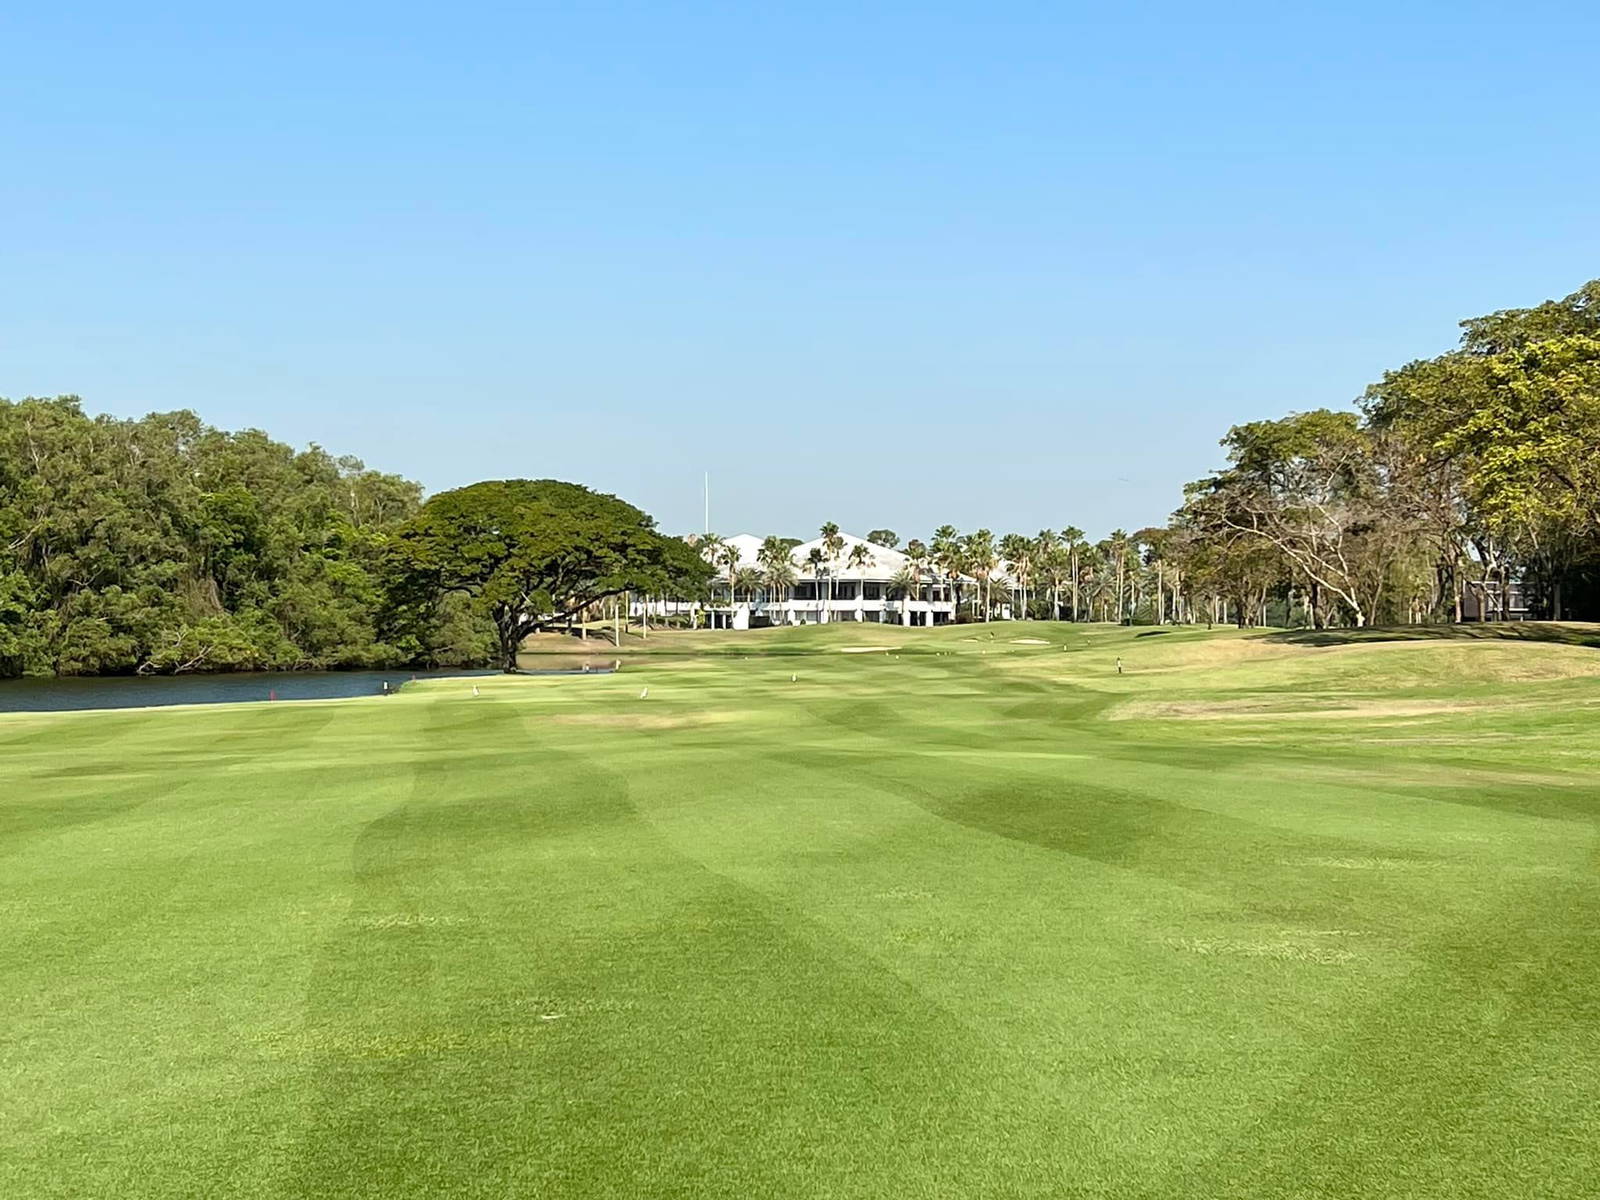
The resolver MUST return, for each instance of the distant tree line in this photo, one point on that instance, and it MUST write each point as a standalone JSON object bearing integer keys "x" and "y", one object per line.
{"x": 1455, "y": 483}
{"x": 1052, "y": 575}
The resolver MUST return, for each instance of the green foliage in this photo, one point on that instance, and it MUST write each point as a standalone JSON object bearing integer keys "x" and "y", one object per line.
{"x": 1533, "y": 440}
{"x": 1479, "y": 466}
{"x": 161, "y": 544}
{"x": 532, "y": 553}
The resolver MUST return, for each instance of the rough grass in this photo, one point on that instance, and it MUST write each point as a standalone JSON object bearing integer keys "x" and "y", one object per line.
{"x": 924, "y": 922}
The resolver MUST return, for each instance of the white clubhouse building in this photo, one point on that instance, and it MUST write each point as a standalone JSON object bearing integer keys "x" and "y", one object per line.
{"x": 848, "y": 586}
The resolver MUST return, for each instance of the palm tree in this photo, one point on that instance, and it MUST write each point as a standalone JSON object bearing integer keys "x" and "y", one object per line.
{"x": 1095, "y": 574}
{"x": 1117, "y": 552}
{"x": 1051, "y": 563}
{"x": 710, "y": 546}
{"x": 771, "y": 548}
{"x": 1072, "y": 539}
{"x": 979, "y": 552}
{"x": 748, "y": 579}
{"x": 908, "y": 582}
{"x": 948, "y": 559}
{"x": 917, "y": 557}
{"x": 1018, "y": 551}
{"x": 859, "y": 559}
{"x": 726, "y": 556}
{"x": 779, "y": 577}
{"x": 1044, "y": 556}
{"x": 832, "y": 544}
{"x": 777, "y": 567}
{"x": 817, "y": 562}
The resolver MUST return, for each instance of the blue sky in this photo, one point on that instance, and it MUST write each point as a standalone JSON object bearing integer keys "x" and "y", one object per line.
{"x": 1013, "y": 265}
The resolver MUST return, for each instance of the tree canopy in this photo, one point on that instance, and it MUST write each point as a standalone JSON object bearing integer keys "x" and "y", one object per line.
{"x": 163, "y": 544}
{"x": 1461, "y": 474}
{"x": 534, "y": 553}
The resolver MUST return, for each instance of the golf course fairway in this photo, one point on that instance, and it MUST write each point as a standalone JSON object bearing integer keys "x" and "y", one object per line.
{"x": 965, "y": 913}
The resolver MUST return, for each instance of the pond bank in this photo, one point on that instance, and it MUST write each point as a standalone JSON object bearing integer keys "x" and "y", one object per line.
{"x": 86, "y": 693}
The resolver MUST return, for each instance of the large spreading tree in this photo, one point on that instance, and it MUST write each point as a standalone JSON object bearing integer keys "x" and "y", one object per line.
{"x": 535, "y": 553}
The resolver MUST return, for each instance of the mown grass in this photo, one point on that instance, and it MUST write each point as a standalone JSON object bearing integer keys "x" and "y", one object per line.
{"x": 962, "y": 917}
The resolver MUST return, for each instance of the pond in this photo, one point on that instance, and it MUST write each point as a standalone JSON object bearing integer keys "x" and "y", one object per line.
{"x": 144, "y": 691}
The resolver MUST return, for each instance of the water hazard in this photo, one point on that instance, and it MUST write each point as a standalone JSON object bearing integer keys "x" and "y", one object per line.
{"x": 145, "y": 691}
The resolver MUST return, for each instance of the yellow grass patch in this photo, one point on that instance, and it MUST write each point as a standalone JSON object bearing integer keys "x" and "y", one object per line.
{"x": 1366, "y": 863}
{"x": 641, "y": 720}
{"x": 1270, "y": 709}
{"x": 1288, "y": 948}
{"x": 385, "y": 921}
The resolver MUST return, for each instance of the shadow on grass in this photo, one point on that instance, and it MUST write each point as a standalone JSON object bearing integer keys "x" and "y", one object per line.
{"x": 1563, "y": 632}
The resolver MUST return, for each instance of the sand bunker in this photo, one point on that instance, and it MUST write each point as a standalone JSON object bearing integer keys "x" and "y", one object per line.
{"x": 1029, "y": 642}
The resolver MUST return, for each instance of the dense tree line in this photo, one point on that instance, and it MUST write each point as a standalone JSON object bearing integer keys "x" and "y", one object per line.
{"x": 162, "y": 544}
{"x": 1455, "y": 484}
{"x": 1460, "y": 479}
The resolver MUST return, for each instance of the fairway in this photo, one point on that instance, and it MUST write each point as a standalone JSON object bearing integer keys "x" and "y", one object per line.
{"x": 963, "y": 913}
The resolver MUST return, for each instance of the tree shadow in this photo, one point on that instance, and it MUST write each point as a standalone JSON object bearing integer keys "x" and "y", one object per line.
{"x": 1568, "y": 633}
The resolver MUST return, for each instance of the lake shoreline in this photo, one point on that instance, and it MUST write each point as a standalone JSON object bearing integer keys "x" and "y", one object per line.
{"x": 132, "y": 693}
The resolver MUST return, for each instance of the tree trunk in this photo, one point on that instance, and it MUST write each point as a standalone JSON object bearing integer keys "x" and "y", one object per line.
{"x": 508, "y": 630}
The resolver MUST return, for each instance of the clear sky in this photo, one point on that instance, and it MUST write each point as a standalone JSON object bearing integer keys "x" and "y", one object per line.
{"x": 1001, "y": 264}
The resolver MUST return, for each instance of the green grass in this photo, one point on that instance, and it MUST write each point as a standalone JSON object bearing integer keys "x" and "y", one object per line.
{"x": 966, "y": 918}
